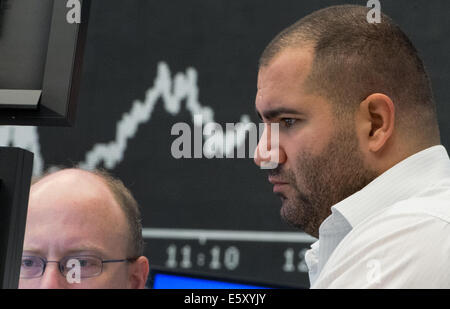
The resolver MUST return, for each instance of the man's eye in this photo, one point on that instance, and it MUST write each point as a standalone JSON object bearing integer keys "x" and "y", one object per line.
{"x": 288, "y": 122}
{"x": 27, "y": 263}
{"x": 84, "y": 263}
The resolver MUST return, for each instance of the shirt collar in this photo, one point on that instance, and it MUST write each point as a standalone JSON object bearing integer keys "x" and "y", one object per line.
{"x": 404, "y": 180}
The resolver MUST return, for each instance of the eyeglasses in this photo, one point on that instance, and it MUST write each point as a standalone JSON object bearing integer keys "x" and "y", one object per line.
{"x": 90, "y": 266}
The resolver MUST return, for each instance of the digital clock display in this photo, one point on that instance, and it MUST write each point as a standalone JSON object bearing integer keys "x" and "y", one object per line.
{"x": 264, "y": 256}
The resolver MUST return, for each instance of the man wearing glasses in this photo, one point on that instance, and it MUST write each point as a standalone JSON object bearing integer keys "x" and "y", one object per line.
{"x": 83, "y": 231}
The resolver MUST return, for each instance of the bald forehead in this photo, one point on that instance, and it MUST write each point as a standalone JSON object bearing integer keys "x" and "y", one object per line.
{"x": 73, "y": 187}
{"x": 67, "y": 176}
{"x": 74, "y": 209}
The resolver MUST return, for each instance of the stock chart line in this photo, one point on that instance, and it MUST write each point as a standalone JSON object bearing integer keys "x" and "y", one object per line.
{"x": 183, "y": 87}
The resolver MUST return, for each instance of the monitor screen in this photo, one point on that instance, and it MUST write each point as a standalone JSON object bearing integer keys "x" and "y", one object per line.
{"x": 166, "y": 281}
{"x": 161, "y": 278}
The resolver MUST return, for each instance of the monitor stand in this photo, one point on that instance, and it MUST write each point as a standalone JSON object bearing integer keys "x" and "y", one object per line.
{"x": 15, "y": 175}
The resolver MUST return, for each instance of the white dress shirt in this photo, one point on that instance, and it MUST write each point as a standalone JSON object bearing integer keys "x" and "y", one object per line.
{"x": 394, "y": 233}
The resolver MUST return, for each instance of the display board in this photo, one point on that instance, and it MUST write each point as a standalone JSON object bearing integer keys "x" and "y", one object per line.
{"x": 152, "y": 64}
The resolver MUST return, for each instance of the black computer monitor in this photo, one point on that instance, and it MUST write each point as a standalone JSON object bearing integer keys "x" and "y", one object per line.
{"x": 41, "y": 54}
{"x": 15, "y": 177}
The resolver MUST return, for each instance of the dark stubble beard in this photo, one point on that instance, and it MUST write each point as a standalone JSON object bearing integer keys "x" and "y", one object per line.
{"x": 319, "y": 182}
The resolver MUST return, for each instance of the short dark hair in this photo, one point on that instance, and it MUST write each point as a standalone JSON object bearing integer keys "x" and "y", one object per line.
{"x": 354, "y": 58}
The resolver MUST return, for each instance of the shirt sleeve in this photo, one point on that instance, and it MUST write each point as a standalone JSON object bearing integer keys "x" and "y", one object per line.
{"x": 397, "y": 249}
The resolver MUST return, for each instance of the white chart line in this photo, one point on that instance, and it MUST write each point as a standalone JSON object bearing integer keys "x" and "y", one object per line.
{"x": 253, "y": 236}
{"x": 174, "y": 91}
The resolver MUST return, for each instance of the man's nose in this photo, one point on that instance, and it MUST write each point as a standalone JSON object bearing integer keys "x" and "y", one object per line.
{"x": 52, "y": 277}
{"x": 269, "y": 153}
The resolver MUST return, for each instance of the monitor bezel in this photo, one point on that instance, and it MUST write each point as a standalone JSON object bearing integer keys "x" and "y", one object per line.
{"x": 62, "y": 73}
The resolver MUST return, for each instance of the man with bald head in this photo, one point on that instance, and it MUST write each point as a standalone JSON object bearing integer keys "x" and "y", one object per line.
{"x": 83, "y": 231}
{"x": 360, "y": 164}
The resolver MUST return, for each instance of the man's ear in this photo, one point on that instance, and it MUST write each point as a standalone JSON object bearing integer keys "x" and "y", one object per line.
{"x": 375, "y": 121}
{"x": 138, "y": 273}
